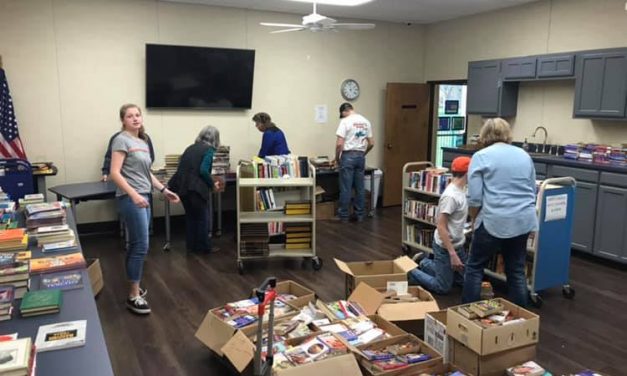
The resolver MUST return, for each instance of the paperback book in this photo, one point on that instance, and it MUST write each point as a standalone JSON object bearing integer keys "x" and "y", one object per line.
{"x": 62, "y": 335}
{"x": 62, "y": 280}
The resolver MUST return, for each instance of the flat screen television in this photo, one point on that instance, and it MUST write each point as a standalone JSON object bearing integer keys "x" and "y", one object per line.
{"x": 199, "y": 77}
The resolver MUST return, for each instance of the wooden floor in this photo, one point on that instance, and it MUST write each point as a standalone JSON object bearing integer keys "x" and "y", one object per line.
{"x": 588, "y": 332}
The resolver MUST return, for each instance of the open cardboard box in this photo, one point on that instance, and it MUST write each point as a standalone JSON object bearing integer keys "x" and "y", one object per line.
{"x": 485, "y": 341}
{"x": 95, "y": 275}
{"x": 410, "y": 316}
{"x": 435, "y": 334}
{"x": 414, "y": 369}
{"x": 374, "y": 273}
{"x": 489, "y": 365}
{"x": 303, "y": 294}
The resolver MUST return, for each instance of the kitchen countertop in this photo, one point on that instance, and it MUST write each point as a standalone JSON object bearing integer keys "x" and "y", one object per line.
{"x": 556, "y": 160}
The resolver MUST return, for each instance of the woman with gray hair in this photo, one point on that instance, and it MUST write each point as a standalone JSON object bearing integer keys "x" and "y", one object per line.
{"x": 194, "y": 184}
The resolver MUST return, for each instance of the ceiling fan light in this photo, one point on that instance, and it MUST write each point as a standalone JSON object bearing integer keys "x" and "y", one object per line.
{"x": 348, "y": 3}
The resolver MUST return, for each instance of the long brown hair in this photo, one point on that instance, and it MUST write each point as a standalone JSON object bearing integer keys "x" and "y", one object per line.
{"x": 126, "y": 107}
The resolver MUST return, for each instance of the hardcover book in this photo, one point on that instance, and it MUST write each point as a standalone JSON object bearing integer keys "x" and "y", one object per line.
{"x": 62, "y": 335}
{"x": 41, "y": 302}
{"x": 15, "y": 356}
{"x": 63, "y": 280}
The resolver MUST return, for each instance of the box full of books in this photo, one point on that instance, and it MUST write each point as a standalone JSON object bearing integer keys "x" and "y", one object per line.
{"x": 399, "y": 355}
{"x": 295, "y": 293}
{"x": 407, "y": 306}
{"x": 495, "y": 364}
{"x": 491, "y": 326}
{"x": 375, "y": 273}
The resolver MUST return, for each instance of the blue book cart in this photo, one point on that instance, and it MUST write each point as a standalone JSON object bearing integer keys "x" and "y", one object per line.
{"x": 549, "y": 248}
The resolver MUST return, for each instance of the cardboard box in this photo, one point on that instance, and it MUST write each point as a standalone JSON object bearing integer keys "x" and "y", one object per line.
{"x": 95, "y": 275}
{"x": 344, "y": 365}
{"x": 325, "y": 210}
{"x": 414, "y": 369}
{"x": 435, "y": 334}
{"x": 374, "y": 273}
{"x": 489, "y": 365}
{"x": 304, "y": 295}
{"x": 410, "y": 316}
{"x": 485, "y": 341}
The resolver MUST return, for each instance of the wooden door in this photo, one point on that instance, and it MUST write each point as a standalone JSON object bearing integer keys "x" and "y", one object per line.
{"x": 406, "y": 134}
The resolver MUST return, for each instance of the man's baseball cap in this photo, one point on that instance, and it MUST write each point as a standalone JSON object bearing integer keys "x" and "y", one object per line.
{"x": 460, "y": 164}
{"x": 345, "y": 107}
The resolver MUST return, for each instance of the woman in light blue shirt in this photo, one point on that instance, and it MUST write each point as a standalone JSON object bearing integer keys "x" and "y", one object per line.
{"x": 501, "y": 190}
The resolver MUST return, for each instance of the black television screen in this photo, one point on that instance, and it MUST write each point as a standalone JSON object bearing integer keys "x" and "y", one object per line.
{"x": 198, "y": 77}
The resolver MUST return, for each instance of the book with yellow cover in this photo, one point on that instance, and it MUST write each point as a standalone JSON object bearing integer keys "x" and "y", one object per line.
{"x": 298, "y": 246}
{"x": 61, "y": 262}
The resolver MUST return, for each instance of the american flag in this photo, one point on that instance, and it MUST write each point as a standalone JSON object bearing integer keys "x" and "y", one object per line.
{"x": 10, "y": 143}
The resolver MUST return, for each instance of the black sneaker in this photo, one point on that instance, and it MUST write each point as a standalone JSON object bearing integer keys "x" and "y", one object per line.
{"x": 418, "y": 257}
{"x": 143, "y": 292}
{"x": 138, "y": 305}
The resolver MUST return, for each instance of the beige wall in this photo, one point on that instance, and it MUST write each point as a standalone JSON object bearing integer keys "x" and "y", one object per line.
{"x": 72, "y": 63}
{"x": 535, "y": 28}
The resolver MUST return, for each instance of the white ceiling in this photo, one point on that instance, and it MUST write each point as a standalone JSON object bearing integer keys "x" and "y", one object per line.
{"x": 412, "y": 11}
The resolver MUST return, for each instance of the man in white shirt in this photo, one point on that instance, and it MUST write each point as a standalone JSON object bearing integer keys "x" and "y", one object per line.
{"x": 354, "y": 141}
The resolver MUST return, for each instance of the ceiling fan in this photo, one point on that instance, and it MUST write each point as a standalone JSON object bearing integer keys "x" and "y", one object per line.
{"x": 317, "y": 22}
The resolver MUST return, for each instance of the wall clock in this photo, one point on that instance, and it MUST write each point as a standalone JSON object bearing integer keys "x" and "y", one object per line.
{"x": 349, "y": 89}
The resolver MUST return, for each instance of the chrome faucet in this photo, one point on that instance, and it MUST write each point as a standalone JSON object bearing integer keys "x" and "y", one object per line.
{"x": 546, "y": 135}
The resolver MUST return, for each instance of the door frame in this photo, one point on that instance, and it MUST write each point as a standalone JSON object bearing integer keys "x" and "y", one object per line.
{"x": 432, "y": 86}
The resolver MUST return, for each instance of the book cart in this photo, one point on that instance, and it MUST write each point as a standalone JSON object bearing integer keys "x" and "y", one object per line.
{"x": 548, "y": 250}
{"x": 302, "y": 188}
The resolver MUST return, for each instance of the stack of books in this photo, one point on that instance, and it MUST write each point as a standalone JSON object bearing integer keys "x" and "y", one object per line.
{"x": 298, "y": 236}
{"x": 36, "y": 198}
{"x": 530, "y": 368}
{"x": 395, "y": 356}
{"x": 244, "y": 312}
{"x": 297, "y": 207}
{"x": 617, "y": 156}
{"x": 254, "y": 239}
{"x": 432, "y": 180}
{"x": 571, "y": 151}
{"x": 221, "y": 160}
{"x": 57, "y": 263}
{"x": 14, "y": 272}
{"x": 55, "y": 238}
{"x": 488, "y": 313}
{"x": 45, "y": 214}
{"x": 586, "y": 153}
{"x": 66, "y": 280}
{"x": 41, "y": 302}
{"x": 12, "y": 240}
{"x": 312, "y": 349}
{"x": 321, "y": 163}
{"x": 364, "y": 331}
{"x": 7, "y": 295}
{"x": 18, "y": 357}
{"x": 171, "y": 164}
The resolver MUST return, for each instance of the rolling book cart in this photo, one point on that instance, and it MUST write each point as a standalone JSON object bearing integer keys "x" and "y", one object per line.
{"x": 549, "y": 249}
{"x": 252, "y": 224}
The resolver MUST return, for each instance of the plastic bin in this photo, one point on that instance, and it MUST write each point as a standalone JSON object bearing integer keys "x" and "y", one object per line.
{"x": 377, "y": 182}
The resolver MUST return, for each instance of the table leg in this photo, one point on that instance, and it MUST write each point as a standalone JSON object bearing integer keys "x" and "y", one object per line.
{"x": 218, "y": 231}
{"x": 74, "y": 203}
{"x": 41, "y": 185}
{"x": 372, "y": 195}
{"x": 166, "y": 246}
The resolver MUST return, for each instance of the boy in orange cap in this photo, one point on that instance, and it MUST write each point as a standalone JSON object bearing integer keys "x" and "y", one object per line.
{"x": 438, "y": 274}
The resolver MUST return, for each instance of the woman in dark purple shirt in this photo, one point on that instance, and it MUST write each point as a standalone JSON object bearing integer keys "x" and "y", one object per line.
{"x": 273, "y": 141}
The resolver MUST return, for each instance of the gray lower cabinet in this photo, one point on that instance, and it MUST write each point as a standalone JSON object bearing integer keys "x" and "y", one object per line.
{"x": 601, "y": 87}
{"x": 611, "y": 223}
{"x": 583, "y": 216}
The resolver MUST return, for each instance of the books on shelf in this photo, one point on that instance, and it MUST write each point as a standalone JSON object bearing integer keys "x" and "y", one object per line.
{"x": 433, "y": 180}
{"x": 265, "y": 199}
{"x": 298, "y": 235}
{"x": 254, "y": 239}
{"x": 221, "y": 160}
{"x": 419, "y": 235}
{"x": 41, "y": 302}
{"x": 280, "y": 166}
{"x": 421, "y": 210}
{"x": 63, "y": 335}
{"x": 297, "y": 207}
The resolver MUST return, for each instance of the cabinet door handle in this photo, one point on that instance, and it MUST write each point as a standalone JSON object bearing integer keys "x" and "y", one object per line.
{"x": 389, "y": 146}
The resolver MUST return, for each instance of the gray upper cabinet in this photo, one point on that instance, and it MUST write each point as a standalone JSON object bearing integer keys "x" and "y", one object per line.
{"x": 556, "y": 66}
{"x": 611, "y": 223}
{"x": 487, "y": 94}
{"x": 601, "y": 88}
{"x": 519, "y": 68}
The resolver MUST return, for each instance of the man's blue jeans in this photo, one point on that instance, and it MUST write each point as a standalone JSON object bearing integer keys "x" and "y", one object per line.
{"x": 484, "y": 247}
{"x": 352, "y": 166}
{"x": 436, "y": 275}
{"x": 137, "y": 222}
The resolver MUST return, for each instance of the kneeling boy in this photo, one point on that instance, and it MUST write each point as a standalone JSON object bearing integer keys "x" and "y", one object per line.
{"x": 437, "y": 275}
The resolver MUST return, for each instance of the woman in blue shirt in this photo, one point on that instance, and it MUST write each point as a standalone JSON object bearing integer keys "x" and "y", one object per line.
{"x": 273, "y": 141}
{"x": 502, "y": 201}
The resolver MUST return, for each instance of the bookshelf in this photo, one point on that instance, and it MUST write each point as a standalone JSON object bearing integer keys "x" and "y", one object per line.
{"x": 420, "y": 199}
{"x": 262, "y": 204}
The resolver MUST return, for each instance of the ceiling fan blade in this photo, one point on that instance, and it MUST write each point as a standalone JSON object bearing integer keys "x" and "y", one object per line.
{"x": 354, "y": 26}
{"x": 278, "y": 24}
{"x": 288, "y": 30}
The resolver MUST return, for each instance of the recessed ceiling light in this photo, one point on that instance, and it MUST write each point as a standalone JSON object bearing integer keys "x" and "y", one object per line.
{"x": 349, "y": 3}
